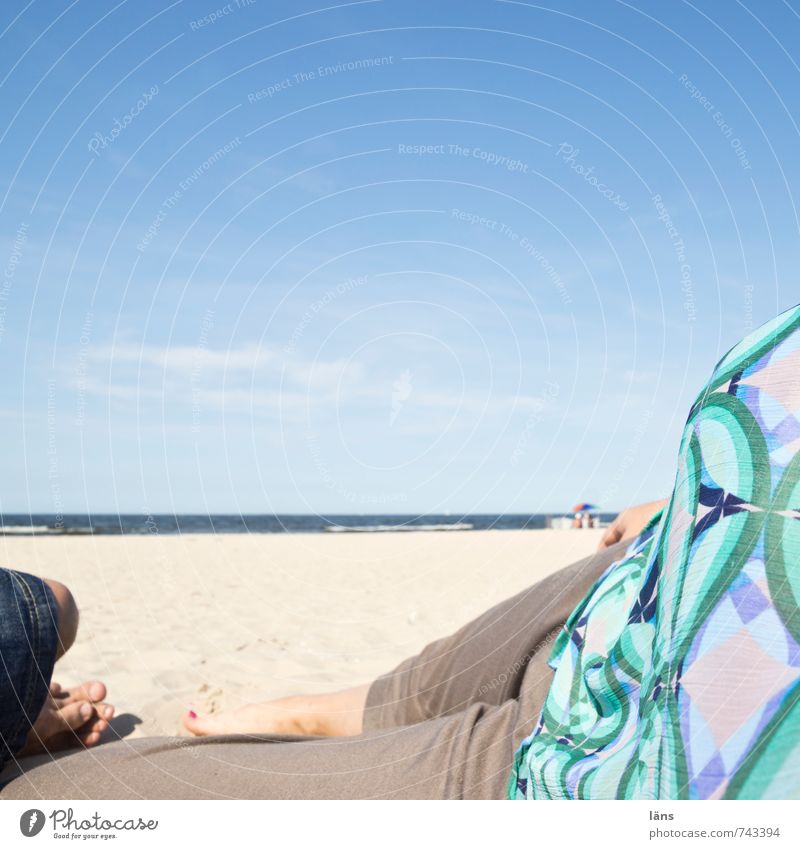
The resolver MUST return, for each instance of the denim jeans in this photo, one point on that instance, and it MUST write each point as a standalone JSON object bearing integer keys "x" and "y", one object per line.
{"x": 28, "y": 645}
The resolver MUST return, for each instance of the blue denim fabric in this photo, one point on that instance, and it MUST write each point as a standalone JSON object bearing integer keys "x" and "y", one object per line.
{"x": 28, "y": 645}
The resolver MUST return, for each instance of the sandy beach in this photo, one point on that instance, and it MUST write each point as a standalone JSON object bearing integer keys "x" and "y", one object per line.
{"x": 216, "y": 621}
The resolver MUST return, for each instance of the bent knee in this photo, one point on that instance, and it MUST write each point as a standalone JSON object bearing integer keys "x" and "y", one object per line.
{"x": 68, "y": 615}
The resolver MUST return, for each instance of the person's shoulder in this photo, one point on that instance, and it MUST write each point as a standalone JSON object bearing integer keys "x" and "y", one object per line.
{"x": 748, "y": 352}
{"x": 757, "y": 343}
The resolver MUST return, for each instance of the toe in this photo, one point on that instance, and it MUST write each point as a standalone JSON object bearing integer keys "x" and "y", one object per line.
{"x": 91, "y": 739}
{"x": 200, "y": 726}
{"x": 98, "y": 725}
{"x": 75, "y": 714}
{"x": 104, "y": 710}
{"x": 96, "y": 690}
{"x": 89, "y": 691}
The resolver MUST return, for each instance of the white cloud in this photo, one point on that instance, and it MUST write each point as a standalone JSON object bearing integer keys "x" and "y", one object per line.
{"x": 248, "y": 380}
{"x": 254, "y": 380}
{"x": 187, "y": 357}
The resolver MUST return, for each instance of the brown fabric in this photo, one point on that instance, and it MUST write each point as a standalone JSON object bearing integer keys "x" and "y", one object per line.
{"x": 443, "y": 725}
{"x": 499, "y": 656}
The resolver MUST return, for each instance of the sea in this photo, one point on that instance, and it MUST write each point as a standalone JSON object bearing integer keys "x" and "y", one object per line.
{"x": 224, "y": 523}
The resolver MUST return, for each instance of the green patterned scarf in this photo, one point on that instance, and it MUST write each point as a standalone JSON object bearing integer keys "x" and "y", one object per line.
{"x": 678, "y": 676}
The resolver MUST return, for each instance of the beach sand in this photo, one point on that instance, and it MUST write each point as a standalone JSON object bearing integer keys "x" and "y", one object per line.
{"x": 218, "y": 621}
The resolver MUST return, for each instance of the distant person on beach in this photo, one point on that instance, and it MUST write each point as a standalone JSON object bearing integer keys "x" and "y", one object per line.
{"x": 583, "y": 517}
{"x": 665, "y": 666}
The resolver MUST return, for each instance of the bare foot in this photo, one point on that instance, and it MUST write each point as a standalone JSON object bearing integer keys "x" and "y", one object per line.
{"x": 69, "y": 718}
{"x": 325, "y": 715}
{"x": 282, "y": 716}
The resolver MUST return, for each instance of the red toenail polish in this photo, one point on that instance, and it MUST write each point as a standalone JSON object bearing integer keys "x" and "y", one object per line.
{"x": 192, "y": 715}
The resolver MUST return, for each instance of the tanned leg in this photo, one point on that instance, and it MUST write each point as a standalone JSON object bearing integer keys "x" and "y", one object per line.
{"x": 337, "y": 714}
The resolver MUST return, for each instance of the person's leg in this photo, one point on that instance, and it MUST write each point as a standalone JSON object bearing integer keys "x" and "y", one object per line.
{"x": 467, "y": 755}
{"x": 38, "y": 624}
{"x": 66, "y": 616}
{"x": 485, "y": 661}
{"x": 29, "y": 643}
{"x": 337, "y": 714}
{"x": 462, "y": 754}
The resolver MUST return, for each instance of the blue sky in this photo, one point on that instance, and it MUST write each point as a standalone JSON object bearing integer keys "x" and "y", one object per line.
{"x": 381, "y": 256}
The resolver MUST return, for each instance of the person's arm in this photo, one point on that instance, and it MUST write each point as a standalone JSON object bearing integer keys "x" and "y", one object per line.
{"x": 630, "y": 522}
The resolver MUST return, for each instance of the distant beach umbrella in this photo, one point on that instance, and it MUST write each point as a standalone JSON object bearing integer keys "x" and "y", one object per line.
{"x": 580, "y": 508}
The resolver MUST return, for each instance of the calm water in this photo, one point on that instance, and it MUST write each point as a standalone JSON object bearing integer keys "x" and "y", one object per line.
{"x": 16, "y": 524}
